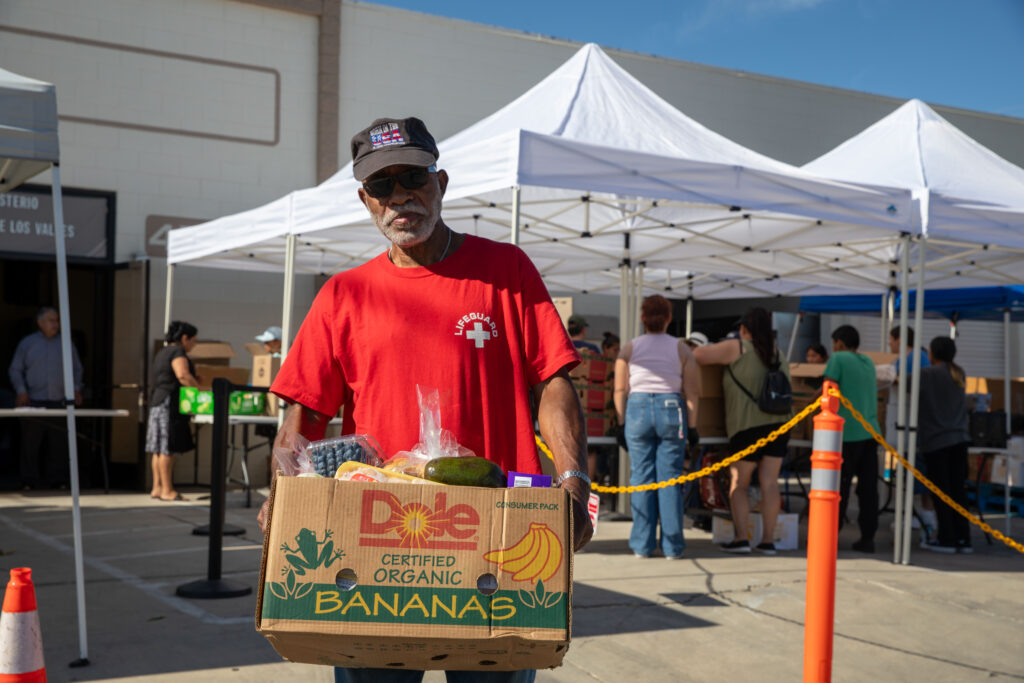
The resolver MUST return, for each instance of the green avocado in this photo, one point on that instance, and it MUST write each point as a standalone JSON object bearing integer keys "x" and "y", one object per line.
{"x": 470, "y": 471}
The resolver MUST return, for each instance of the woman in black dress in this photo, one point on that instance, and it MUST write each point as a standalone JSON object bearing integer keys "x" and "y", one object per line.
{"x": 167, "y": 431}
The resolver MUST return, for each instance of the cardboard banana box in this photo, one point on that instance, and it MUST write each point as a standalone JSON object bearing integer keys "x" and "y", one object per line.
{"x": 404, "y": 576}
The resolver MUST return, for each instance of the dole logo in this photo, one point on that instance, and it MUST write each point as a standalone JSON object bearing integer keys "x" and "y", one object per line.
{"x": 386, "y": 522}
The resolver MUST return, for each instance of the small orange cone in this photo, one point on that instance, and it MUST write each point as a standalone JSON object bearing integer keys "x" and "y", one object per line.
{"x": 21, "y": 642}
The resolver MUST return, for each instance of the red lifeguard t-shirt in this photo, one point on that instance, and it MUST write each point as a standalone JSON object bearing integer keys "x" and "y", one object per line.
{"x": 478, "y": 326}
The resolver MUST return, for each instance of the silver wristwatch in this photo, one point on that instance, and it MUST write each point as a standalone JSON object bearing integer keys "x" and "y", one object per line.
{"x": 569, "y": 474}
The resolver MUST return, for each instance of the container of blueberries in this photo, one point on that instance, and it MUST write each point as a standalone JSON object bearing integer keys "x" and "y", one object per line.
{"x": 328, "y": 455}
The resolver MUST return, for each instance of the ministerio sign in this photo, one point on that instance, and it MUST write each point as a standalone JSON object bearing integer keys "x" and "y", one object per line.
{"x": 26, "y": 222}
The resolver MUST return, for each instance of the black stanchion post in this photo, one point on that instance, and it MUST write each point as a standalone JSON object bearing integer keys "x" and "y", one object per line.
{"x": 213, "y": 586}
{"x": 218, "y": 453}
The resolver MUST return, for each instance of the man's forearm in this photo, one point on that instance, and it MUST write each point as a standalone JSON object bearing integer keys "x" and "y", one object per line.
{"x": 300, "y": 420}
{"x": 561, "y": 424}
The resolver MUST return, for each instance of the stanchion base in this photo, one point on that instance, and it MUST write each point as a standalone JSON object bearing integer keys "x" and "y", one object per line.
{"x": 209, "y": 589}
{"x": 229, "y": 530}
{"x": 84, "y": 661}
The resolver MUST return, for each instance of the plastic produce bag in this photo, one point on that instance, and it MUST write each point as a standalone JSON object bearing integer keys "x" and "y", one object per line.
{"x": 434, "y": 442}
{"x": 329, "y": 454}
{"x": 301, "y": 457}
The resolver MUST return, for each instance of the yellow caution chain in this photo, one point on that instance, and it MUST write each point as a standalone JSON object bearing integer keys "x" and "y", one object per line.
{"x": 683, "y": 478}
{"x": 796, "y": 419}
{"x": 924, "y": 480}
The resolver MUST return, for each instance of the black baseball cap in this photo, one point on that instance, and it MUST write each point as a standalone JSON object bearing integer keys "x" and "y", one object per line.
{"x": 390, "y": 142}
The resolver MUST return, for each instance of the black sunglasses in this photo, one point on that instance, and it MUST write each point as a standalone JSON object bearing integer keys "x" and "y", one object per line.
{"x": 411, "y": 179}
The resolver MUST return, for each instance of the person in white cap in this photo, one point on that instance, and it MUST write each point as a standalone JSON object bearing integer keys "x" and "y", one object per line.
{"x": 271, "y": 339}
{"x": 697, "y": 340}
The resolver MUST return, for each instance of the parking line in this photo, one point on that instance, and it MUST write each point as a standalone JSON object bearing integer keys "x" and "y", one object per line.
{"x": 150, "y": 589}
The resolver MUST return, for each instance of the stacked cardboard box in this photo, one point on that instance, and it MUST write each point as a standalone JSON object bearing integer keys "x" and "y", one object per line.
{"x": 264, "y": 369}
{"x": 711, "y": 401}
{"x": 408, "y": 576}
{"x": 592, "y": 379}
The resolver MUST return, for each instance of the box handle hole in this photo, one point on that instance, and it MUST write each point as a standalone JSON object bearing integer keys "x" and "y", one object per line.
{"x": 487, "y": 584}
{"x": 346, "y": 579}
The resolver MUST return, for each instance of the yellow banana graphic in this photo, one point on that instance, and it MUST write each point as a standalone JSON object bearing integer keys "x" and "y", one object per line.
{"x": 537, "y": 555}
{"x": 529, "y": 546}
{"x": 554, "y": 557}
{"x": 540, "y": 558}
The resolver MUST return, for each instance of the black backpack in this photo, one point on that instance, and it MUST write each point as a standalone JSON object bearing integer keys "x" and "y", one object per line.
{"x": 776, "y": 395}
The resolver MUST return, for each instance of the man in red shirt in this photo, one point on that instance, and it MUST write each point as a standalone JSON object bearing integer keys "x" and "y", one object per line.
{"x": 457, "y": 313}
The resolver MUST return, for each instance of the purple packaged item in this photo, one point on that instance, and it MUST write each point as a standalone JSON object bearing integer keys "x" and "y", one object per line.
{"x": 532, "y": 481}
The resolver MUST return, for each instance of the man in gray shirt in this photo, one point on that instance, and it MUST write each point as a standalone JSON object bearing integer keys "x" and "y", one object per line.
{"x": 37, "y": 375}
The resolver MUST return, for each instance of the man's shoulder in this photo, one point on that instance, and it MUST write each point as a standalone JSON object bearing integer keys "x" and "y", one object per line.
{"x": 31, "y": 338}
{"x": 354, "y": 276}
{"x": 489, "y": 247}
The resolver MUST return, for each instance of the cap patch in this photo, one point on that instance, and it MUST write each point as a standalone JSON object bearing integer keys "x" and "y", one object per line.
{"x": 386, "y": 134}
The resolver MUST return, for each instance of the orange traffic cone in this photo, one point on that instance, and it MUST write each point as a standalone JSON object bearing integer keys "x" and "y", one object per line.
{"x": 21, "y": 643}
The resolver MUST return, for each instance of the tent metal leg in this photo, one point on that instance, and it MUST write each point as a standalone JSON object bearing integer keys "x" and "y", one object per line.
{"x": 69, "y": 399}
{"x": 286, "y": 308}
{"x": 915, "y": 392}
{"x": 792, "y": 336}
{"x": 1008, "y": 408}
{"x": 168, "y": 297}
{"x": 625, "y": 290}
{"x": 901, "y": 401}
{"x": 516, "y": 199}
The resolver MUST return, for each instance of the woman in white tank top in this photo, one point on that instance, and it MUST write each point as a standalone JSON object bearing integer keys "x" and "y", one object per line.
{"x": 655, "y": 399}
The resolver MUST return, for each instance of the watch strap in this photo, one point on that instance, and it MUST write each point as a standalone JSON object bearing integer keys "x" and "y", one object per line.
{"x": 569, "y": 474}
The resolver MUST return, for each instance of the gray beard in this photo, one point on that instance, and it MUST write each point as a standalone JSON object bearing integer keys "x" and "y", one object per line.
{"x": 409, "y": 238}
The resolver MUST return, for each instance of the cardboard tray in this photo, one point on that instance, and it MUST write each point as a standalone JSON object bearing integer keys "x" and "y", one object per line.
{"x": 407, "y": 576}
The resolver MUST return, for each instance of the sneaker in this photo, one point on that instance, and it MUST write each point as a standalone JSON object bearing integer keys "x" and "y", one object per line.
{"x": 964, "y": 547}
{"x": 736, "y": 547}
{"x": 765, "y": 548}
{"x": 642, "y": 556}
{"x": 674, "y": 557}
{"x": 864, "y": 545}
{"x": 937, "y": 547}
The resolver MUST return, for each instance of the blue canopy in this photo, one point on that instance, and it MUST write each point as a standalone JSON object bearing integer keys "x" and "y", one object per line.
{"x": 844, "y": 303}
{"x": 974, "y": 303}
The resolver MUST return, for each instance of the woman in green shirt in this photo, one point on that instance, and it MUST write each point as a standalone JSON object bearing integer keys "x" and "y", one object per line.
{"x": 749, "y": 358}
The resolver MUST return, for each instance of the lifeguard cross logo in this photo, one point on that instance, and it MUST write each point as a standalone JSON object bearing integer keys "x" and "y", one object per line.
{"x": 386, "y": 134}
{"x": 476, "y": 327}
{"x": 386, "y": 522}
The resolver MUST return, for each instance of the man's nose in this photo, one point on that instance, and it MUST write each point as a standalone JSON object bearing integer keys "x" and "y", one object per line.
{"x": 400, "y": 195}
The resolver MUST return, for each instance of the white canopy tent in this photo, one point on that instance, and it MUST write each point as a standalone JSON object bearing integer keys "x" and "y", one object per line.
{"x": 972, "y": 214}
{"x": 587, "y": 170}
{"x": 28, "y": 146}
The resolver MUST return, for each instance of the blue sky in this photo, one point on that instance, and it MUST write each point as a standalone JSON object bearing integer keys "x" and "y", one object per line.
{"x": 959, "y": 53}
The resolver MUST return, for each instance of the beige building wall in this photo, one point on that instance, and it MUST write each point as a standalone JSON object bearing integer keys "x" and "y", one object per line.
{"x": 194, "y": 109}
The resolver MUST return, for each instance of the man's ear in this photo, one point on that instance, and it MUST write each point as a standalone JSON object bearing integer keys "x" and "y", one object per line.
{"x": 442, "y": 180}
{"x": 363, "y": 197}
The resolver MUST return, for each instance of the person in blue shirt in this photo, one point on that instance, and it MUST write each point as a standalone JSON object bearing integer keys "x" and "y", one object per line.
{"x": 894, "y": 347}
{"x": 37, "y": 375}
{"x": 925, "y": 507}
{"x": 577, "y": 332}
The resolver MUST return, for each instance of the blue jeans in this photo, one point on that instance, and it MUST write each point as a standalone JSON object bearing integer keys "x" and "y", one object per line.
{"x": 404, "y": 676}
{"x": 656, "y": 453}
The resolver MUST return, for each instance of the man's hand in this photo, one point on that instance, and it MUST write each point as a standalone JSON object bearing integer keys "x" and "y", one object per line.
{"x": 620, "y": 437}
{"x": 22, "y": 401}
{"x": 78, "y": 398}
{"x": 300, "y": 426}
{"x": 561, "y": 425}
{"x": 583, "y": 528}
{"x": 692, "y": 437}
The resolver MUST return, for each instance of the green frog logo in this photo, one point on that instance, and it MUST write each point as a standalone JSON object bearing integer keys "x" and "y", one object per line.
{"x": 308, "y": 554}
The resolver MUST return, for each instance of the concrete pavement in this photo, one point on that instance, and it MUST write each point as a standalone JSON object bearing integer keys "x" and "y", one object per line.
{"x": 709, "y": 617}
